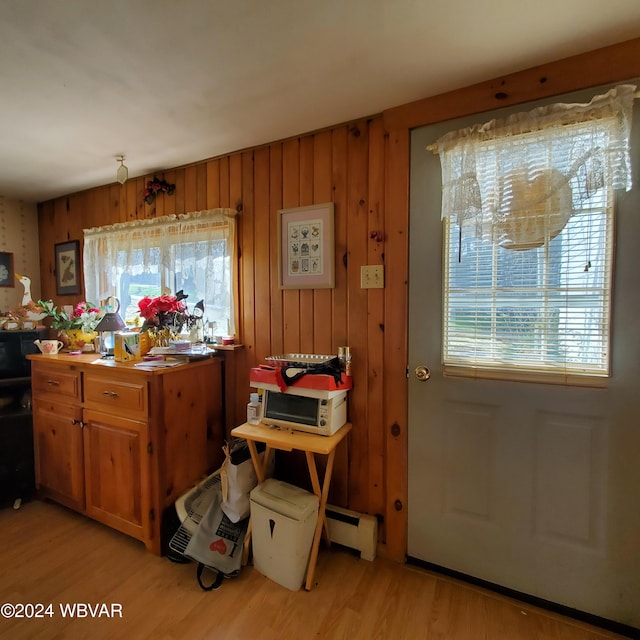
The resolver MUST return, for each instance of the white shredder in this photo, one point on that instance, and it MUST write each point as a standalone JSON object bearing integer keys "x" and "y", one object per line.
{"x": 283, "y": 521}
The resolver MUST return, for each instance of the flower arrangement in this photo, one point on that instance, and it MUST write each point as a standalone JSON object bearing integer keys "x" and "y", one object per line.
{"x": 85, "y": 316}
{"x": 156, "y": 186}
{"x": 162, "y": 312}
{"x": 170, "y": 314}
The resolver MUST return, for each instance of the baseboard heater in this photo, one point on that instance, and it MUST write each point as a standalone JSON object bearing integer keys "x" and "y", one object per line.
{"x": 354, "y": 530}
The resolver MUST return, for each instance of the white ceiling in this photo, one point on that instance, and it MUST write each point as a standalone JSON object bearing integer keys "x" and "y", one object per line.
{"x": 170, "y": 82}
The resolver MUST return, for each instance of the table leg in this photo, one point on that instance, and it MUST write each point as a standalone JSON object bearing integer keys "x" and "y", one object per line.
{"x": 246, "y": 546}
{"x": 313, "y": 559}
{"x": 259, "y": 468}
{"x": 315, "y": 483}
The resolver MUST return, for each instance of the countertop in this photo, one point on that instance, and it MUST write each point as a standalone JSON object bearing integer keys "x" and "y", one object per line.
{"x": 90, "y": 360}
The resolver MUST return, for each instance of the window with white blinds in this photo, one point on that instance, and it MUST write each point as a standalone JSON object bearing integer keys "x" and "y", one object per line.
{"x": 528, "y": 240}
{"x": 541, "y": 312}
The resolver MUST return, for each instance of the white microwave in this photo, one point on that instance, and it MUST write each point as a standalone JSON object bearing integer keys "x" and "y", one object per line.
{"x": 310, "y": 410}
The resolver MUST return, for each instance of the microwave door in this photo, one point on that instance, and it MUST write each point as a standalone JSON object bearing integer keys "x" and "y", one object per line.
{"x": 290, "y": 408}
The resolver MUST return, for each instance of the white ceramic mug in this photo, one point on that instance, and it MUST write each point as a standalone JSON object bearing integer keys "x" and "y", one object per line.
{"x": 50, "y": 347}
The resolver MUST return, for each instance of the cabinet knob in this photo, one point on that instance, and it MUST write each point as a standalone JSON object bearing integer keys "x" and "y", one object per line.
{"x": 53, "y": 383}
{"x": 110, "y": 394}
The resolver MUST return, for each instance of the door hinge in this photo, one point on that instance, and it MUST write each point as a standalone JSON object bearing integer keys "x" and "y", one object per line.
{"x": 149, "y": 448}
{"x": 152, "y": 514}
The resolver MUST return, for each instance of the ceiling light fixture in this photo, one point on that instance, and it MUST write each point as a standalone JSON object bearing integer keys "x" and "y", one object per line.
{"x": 123, "y": 172}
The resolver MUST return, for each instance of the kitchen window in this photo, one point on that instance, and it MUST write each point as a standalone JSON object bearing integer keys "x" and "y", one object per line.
{"x": 528, "y": 206}
{"x": 195, "y": 253}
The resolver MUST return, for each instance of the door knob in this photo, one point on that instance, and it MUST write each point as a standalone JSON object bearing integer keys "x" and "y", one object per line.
{"x": 423, "y": 373}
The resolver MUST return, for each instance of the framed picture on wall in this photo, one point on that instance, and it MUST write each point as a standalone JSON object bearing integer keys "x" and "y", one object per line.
{"x": 67, "y": 256}
{"x": 7, "y": 277}
{"x": 306, "y": 247}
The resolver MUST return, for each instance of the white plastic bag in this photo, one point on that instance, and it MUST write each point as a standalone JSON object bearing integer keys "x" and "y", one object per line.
{"x": 217, "y": 543}
{"x": 238, "y": 478}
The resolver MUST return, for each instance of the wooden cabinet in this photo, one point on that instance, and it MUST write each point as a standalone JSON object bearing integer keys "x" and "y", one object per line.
{"x": 57, "y": 433}
{"x": 121, "y": 444}
{"x": 58, "y": 451}
{"x": 116, "y": 464}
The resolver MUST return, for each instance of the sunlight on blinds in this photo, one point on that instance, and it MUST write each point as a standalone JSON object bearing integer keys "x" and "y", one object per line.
{"x": 541, "y": 310}
{"x": 528, "y": 241}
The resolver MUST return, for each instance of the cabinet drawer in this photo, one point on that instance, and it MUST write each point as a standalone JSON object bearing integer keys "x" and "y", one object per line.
{"x": 63, "y": 382}
{"x": 128, "y": 397}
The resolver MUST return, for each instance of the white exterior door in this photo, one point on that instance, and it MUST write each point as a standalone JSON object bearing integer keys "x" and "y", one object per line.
{"x": 534, "y": 487}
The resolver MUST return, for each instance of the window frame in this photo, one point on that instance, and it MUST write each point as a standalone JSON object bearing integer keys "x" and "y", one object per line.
{"x": 108, "y": 253}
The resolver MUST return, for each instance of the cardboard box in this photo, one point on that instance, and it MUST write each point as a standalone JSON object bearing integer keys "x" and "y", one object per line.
{"x": 127, "y": 347}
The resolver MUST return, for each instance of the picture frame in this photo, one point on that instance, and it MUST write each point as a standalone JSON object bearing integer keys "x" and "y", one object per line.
{"x": 7, "y": 276}
{"x": 306, "y": 247}
{"x": 67, "y": 267}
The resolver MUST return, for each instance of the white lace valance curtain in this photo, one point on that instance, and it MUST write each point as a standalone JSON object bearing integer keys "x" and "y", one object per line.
{"x": 519, "y": 179}
{"x": 160, "y": 245}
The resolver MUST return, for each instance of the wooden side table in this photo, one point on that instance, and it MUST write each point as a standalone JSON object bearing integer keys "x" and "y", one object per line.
{"x": 311, "y": 444}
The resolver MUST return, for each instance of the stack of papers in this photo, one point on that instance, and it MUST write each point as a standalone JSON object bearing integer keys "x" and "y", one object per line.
{"x": 149, "y": 365}
{"x": 180, "y": 345}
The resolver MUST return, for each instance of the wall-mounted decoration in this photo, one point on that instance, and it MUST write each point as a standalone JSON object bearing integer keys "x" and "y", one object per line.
{"x": 7, "y": 279}
{"x": 68, "y": 268}
{"x": 306, "y": 247}
{"x": 156, "y": 186}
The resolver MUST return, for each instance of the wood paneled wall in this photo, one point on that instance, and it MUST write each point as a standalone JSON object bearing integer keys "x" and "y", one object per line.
{"x": 363, "y": 167}
{"x": 345, "y": 165}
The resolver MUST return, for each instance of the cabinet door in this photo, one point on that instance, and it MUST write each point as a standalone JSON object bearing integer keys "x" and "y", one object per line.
{"x": 59, "y": 466}
{"x": 117, "y": 472}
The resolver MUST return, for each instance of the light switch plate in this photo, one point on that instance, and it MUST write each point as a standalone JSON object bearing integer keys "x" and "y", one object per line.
{"x": 372, "y": 276}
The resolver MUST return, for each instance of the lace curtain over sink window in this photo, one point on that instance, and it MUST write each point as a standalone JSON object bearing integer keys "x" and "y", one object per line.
{"x": 518, "y": 180}
{"x": 195, "y": 252}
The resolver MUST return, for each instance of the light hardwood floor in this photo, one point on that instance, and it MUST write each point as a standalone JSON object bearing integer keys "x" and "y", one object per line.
{"x": 52, "y": 555}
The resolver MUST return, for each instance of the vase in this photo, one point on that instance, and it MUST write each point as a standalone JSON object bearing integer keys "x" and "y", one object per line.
{"x": 76, "y": 339}
{"x": 145, "y": 343}
{"x": 160, "y": 337}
